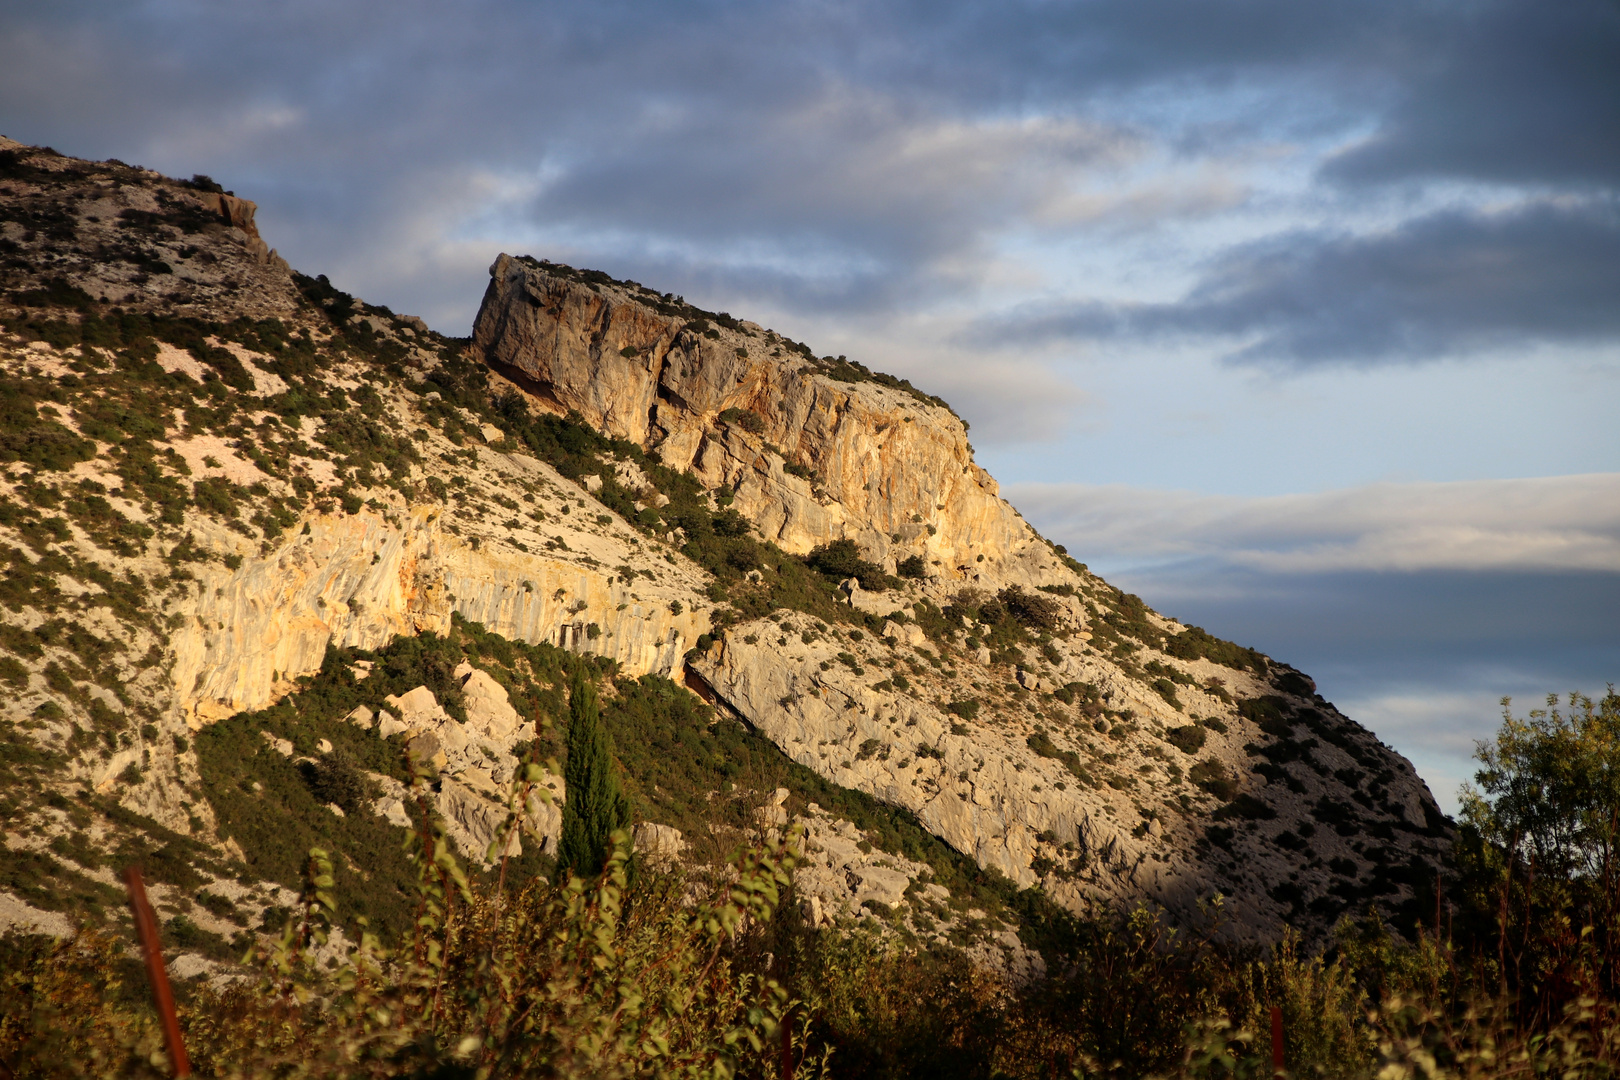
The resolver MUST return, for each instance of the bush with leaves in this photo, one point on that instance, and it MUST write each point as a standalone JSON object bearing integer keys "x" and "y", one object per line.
{"x": 841, "y": 559}
{"x": 1538, "y": 852}
{"x": 572, "y": 978}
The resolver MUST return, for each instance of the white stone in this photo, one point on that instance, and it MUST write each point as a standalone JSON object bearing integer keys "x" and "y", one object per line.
{"x": 879, "y": 883}
{"x": 390, "y": 725}
{"x": 489, "y": 710}
{"x": 393, "y": 810}
{"x": 659, "y": 843}
{"x": 418, "y": 708}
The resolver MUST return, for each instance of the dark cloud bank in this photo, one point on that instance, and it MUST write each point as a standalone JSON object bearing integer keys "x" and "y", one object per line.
{"x": 1444, "y": 284}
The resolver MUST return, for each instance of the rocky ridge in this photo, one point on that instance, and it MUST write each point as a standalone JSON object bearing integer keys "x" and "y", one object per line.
{"x": 214, "y": 480}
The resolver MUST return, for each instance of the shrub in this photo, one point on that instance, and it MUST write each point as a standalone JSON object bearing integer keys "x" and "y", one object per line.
{"x": 1245, "y": 806}
{"x": 746, "y": 419}
{"x": 1188, "y": 739}
{"x": 1042, "y": 744}
{"x": 1031, "y": 609}
{"x": 1211, "y": 776}
{"x": 335, "y": 778}
{"x": 1195, "y": 643}
{"x": 841, "y": 559}
{"x": 13, "y": 674}
{"x": 912, "y": 566}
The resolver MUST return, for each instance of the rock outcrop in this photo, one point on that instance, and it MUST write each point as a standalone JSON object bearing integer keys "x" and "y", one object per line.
{"x": 135, "y": 238}
{"x": 361, "y": 579}
{"x": 807, "y": 457}
{"x": 474, "y": 767}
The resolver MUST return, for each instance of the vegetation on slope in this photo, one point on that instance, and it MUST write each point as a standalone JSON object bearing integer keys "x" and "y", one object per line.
{"x": 626, "y": 978}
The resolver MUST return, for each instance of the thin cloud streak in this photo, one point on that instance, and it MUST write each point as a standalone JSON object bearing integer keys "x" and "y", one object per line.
{"x": 1569, "y": 523}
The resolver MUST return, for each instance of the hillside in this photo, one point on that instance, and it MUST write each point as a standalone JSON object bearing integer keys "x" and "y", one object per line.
{"x": 261, "y": 536}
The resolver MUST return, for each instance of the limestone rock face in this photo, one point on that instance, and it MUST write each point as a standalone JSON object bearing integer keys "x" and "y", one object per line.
{"x": 361, "y": 579}
{"x": 1087, "y": 811}
{"x": 844, "y": 878}
{"x": 883, "y": 466}
{"x": 474, "y": 766}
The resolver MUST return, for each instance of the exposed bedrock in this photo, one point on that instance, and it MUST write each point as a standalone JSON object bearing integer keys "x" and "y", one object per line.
{"x": 882, "y": 466}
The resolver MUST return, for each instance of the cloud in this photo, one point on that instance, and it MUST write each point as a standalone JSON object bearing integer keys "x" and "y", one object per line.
{"x": 821, "y": 158}
{"x": 1567, "y": 523}
{"x": 1524, "y": 92}
{"x": 857, "y": 197}
{"x": 1452, "y": 283}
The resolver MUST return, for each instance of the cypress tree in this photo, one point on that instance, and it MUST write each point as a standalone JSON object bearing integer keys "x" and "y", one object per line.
{"x": 593, "y": 805}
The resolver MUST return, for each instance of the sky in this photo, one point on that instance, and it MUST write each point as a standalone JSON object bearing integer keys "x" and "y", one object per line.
{"x": 1302, "y": 321}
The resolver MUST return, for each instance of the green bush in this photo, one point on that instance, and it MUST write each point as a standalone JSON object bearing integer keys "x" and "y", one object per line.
{"x": 841, "y": 560}
{"x": 1211, "y": 776}
{"x": 746, "y": 419}
{"x": 1031, "y": 609}
{"x": 13, "y": 674}
{"x": 1042, "y": 744}
{"x": 1188, "y": 739}
{"x": 335, "y": 778}
{"x": 1196, "y": 644}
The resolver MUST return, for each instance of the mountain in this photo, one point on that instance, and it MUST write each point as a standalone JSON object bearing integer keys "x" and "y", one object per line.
{"x": 263, "y": 539}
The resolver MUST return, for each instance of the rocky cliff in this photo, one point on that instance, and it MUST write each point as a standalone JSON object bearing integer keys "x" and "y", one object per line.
{"x": 216, "y": 472}
{"x": 811, "y": 450}
{"x": 1125, "y": 767}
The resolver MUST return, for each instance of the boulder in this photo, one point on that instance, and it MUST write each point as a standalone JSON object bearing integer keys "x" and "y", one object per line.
{"x": 473, "y": 821}
{"x": 657, "y": 843}
{"x": 418, "y": 708}
{"x": 489, "y": 710}
{"x": 880, "y": 884}
{"x": 425, "y": 750}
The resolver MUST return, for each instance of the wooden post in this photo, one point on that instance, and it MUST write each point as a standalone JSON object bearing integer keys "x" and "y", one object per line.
{"x": 152, "y": 948}
{"x": 787, "y": 1047}
{"x": 1276, "y": 1041}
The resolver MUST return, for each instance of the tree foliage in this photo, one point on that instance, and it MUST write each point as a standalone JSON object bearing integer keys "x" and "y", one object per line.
{"x": 1539, "y": 850}
{"x": 595, "y": 806}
